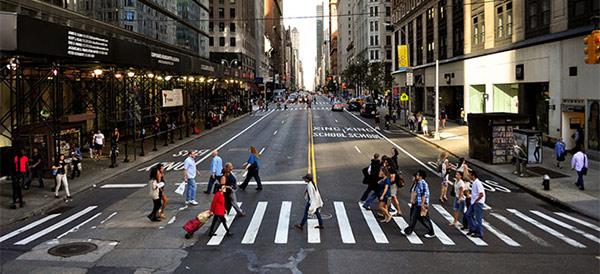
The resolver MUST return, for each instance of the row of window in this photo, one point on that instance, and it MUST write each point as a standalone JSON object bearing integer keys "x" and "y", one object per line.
{"x": 232, "y": 27}
{"x": 374, "y": 40}
{"x": 374, "y": 11}
{"x": 374, "y": 55}
{"x": 232, "y": 41}
{"x": 221, "y": 12}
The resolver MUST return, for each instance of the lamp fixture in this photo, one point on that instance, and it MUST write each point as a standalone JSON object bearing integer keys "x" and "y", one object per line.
{"x": 150, "y": 75}
{"x": 98, "y": 72}
{"x": 168, "y": 77}
{"x": 130, "y": 74}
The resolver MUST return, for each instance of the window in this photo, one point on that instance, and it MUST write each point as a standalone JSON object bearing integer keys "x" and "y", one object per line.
{"x": 504, "y": 21}
{"x": 232, "y": 42}
{"x": 376, "y": 40}
{"x": 388, "y": 40}
{"x": 376, "y": 25}
{"x": 478, "y": 30}
{"x": 388, "y": 54}
{"x": 222, "y": 41}
{"x": 371, "y": 11}
{"x": 221, "y": 27}
{"x": 371, "y": 28}
{"x": 211, "y": 26}
{"x": 388, "y": 11}
{"x": 376, "y": 11}
{"x": 232, "y": 27}
{"x": 221, "y": 13}
{"x": 537, "y": 20}
{"x": 129, "y": 15}
{"x": 580, "y": 12}
{"x": 371, "y": 43}
{"x": 211, "y": 41}
{"x": 232, "y": 13}
{"x": 376, "y": 54}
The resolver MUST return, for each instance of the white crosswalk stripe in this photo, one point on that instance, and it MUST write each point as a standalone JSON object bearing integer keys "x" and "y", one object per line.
{"x": 216, "y": 240}
{"x": 567, "y": 226}
{"x": 55, "y": 226}
{"x": 581, "y": 222}
{"x": 520, "y": 229}
{"x": 252, "y": 230}
{"x": 439, "y": 233}
{"x": 28, "y": 227}
{"x": 508, "y": 240}
{"x": 449, "y": 218}
{"x": 314, "y": 234}
{"x": 281, "y": 235}
{"x": 412, "y": 238}
{"x": 378, "y": 234}
{"x": 344, "y": 223}
{"x": 546, "y": 228}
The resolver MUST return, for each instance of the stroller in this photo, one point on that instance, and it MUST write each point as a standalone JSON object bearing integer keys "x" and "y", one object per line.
{"x": 194, "y": 224}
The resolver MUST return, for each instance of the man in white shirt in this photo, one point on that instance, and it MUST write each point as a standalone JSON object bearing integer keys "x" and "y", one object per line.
{"x": 189, "y": 176}
{"x": 98, "y": 143}
{"x": 579, "y": 163}
{"x": 475, "y": 212}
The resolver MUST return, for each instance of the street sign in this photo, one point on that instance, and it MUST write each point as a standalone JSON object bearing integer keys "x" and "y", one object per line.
{"x": 410, "y": 79}
{"x": 404, "y": 97}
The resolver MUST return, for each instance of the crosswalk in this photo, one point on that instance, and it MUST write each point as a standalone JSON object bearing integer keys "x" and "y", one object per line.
{"x": 509, "y": 227}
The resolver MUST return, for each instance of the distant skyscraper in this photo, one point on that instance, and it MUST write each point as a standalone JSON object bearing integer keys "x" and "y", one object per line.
{"x": 319, "y": 31}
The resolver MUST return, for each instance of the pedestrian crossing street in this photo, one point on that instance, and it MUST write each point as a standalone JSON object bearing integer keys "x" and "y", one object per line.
{"x": 512, "y": 228}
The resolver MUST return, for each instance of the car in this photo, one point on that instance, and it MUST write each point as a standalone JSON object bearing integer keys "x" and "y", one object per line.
{"x": 368, "y": 109}
{"x": 338, "y": 106}
{"x": 354, "y": 105}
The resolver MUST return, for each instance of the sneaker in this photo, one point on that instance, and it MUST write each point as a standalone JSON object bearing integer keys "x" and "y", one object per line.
{"x": 402, "y": 232}
{"x": 229, "y": 234}
{"x": 299, "y": 226}
{"x": 429, "y": 236}
{"x": 258, "y": 188}
{"x": 319, "y": 227}
{"x": 193, "y": 202}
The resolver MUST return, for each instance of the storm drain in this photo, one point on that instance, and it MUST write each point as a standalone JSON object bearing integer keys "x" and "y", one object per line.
{"x": 72, "y": 249}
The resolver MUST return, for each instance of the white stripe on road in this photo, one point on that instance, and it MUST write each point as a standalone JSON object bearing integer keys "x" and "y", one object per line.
{"x": 109, "y": 216}
{"x": 263, "y": 182}
{"x": 378, "y": 234}
{"x": 55, "y": 226}
{"x": 27, "y": 227}
{"x": 75, "y": 228}
{"x": 314, "y": 234}
{"x": 123, "y": 185}
{"x": 281, "y": 235}
{"x": 449, "y": 218}
{"x": 274, "y": 132}
{"x": 499, "y": 234}
{"x": 567, "y": 226}
{"x": 546, "y": 228}
{"x": 439, "y": 233}
{"x": 257, "y": 217}
{"x": 261, "y": 151}
{"x": 412, "y": 238}
{"x": 344, "y": 223}
{"x": 582, "y": 222}
{"x": 234, "y": 137}
{"x": 355, "y": 147}
{"x": 520, "y": 229}
{"x": 216, "y": 240}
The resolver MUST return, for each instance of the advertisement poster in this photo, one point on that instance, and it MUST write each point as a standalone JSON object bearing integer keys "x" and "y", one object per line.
{"x": 172, "y": 98}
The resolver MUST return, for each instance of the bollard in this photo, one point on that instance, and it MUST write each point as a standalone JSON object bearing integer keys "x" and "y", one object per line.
{"x": 546, "y": 182}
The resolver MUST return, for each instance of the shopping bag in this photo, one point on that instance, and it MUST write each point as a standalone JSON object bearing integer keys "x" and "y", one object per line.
{"x": 191, "y": 226}
{"x": 204, "y": 216}
{"x": 180, "y": 189}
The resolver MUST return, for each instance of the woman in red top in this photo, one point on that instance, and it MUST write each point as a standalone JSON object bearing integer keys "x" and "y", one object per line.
{"x": 217, "y": 208}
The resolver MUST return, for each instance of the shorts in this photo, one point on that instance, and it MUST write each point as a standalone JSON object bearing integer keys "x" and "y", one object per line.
{"x": 458, "y": 205}
{"x": 98, "y": 147}
{"x": 445, "y": 180}
{"x": 394, "y": 190}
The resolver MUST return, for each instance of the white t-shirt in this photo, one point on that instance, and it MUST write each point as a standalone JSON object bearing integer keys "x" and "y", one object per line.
{"x": 99, "y": 138}
{"x": 476, "y": 188}
{"x": 457, "y": 187}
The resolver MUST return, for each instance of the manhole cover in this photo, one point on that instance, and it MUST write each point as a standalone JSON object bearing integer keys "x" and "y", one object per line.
{"x": 72, "y": 249}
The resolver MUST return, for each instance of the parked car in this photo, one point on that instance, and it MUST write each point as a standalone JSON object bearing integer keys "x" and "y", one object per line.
{"x": 368, "y": 109}
{"x": 354, "y": 105}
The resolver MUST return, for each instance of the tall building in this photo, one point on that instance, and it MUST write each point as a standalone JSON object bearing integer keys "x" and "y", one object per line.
{"x": 522, "y": 57}
{"x": 234, "y": 41}
{"x": 333, "y": 34}
{"x": 344, "y": 39}
{"x": 319, "y": 31}
{"x": 275, "y": 32}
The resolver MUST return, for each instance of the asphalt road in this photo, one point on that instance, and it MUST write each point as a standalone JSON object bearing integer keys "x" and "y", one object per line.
{"x": 524, "y": 234}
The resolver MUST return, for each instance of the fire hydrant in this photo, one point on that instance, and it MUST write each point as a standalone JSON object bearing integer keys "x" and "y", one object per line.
{"x": 546, "y": 182}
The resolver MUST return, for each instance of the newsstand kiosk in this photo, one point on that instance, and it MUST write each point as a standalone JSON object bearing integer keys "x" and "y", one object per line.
{"x": 491, "y": 135}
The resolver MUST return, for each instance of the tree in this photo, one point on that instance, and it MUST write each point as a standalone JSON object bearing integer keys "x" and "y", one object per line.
{"x": 376, "y": 73}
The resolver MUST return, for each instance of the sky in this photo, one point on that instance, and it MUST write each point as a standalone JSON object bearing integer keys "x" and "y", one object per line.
{"x": 307, "y": 29}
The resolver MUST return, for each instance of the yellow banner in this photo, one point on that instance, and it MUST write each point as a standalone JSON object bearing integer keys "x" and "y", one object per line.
{"x": 402, "y": 56}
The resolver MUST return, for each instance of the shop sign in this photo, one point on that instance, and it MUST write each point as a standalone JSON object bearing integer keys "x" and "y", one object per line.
{"x": 410, "y": 79}
{"x": 85, "y": 45}
{"x": 164, "y": 59}
{"x": 172, "y": 98}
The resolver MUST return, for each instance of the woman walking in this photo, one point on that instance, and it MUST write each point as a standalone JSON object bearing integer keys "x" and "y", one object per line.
{"x": 313, "y": 202}
{"x": 229, "y": 181}
{"x": 217, "y": 208}
{"x": 394, "y": 158}
{"x": 444, "y": 174}
{"x": 253, "y": 166}
{"x": 155, "y": 188}
{"x": 61, "y": 176}
{"x": 163, "y": 197}
{"x": 385, "y": 194}
{"x": 459, "y": 199}
{"x": 396, "y": 182}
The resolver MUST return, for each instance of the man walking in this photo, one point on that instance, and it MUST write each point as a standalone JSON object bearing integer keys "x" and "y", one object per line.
{"x": 372, "y": 173}
{"x": 579, "y": 163}
{"x": 21, "y": 167}
{"x": 35, "y": 168}
{"x": 216, "y": 171}
{"x": 475, "y": 212}
{"x": 98, "y": 143}
{"x": 189, "y": 176}
{"x": 313, "y": 202}
{"x": 419, "y": 209}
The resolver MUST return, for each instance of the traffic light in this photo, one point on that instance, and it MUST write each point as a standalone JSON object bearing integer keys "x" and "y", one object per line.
{"x": 592, "y": 47}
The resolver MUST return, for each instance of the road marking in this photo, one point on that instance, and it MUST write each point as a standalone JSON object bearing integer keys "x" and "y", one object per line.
{"x": 439, "y": 233}
{"x": 336, "y": 121}
{"x": 263, "y": 182}
{"x": 274, "y": 132}
{"x": 234, "y": 137}
{"x": 567, "y": 226}
{"x": 281, "y": 235}
{"x": 282, "y": 121}
{"x": 412, "y": 238}
{"x": 55, "y": 226}
{"x": 378, "y": 234}
{"x": 314, "y": 234}
{"x": 520, "y": 229}
{"x": 261, "y": 151}
{"x": 216, "y": 240}
{"x": 123, "y": 185}
{"x": 254, "y": 226}
{"x": 546, "y": 228}
{"x": 344, "y": 223}
{"x": 582, "y": 222}
{"x": 449, "y": 218}
{"x": 355, "y": 147}
{"x": 28, "y": 227}
{"x": 499, "y": 234}
{"x": 109, "y": 216}
{"x": 75, "y": 228}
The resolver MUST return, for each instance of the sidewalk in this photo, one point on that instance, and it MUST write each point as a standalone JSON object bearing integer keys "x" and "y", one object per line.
{"x": 563, "y": 192}
{"x": 94, "y": 172}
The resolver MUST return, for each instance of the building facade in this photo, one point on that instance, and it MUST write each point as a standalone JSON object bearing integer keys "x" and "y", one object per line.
{"x": 521, "y": 57}
{"x": 319, "y": 33}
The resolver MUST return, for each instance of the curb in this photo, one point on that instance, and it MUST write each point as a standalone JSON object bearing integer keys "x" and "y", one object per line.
{"x": 531, "y": 191}
{"x": 56, "y": 203}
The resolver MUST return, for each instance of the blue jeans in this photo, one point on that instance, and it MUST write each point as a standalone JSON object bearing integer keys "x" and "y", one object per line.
{"x": 306, "y": 215}
{"x": 211, "y": 181}
{"x": 475, "y": 218}
{"x": 370, "y": 200}
{"x": 579, "y": 179}
{"x": 190, "y": 190}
